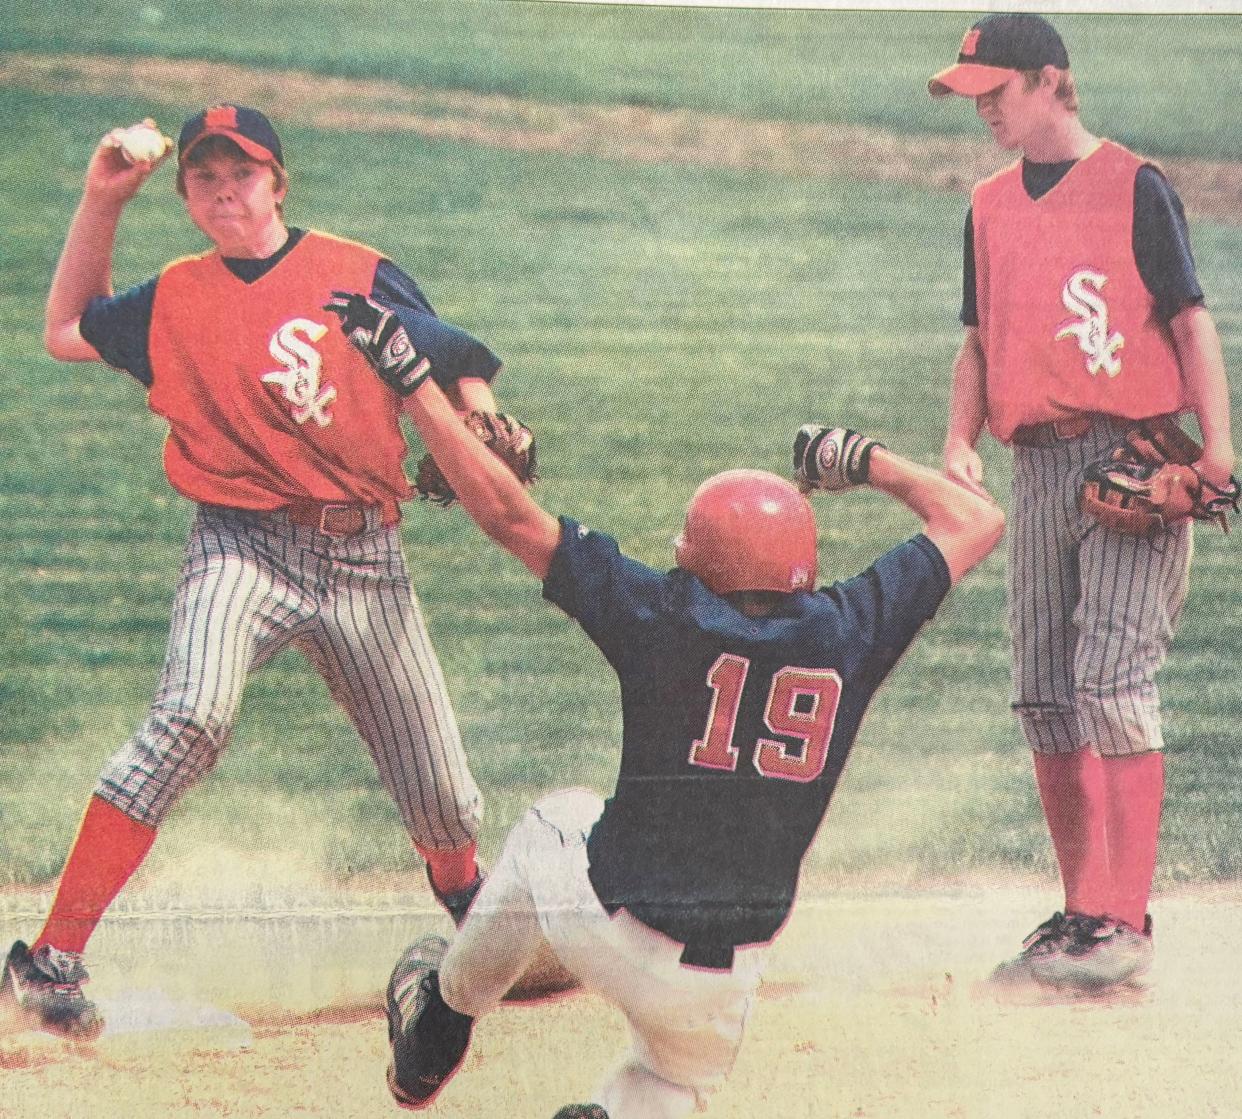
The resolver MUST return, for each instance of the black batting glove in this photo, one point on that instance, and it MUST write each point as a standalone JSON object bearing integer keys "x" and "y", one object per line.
{"x": 831, "y": 458}
{"x": 376, "y": 333}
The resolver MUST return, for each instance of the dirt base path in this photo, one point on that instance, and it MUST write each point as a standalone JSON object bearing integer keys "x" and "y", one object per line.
{"x": 626, "y": 134}
{"x": 872, "y": 1009}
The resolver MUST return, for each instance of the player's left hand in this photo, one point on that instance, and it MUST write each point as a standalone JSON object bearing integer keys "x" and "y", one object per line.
{"x": 123, "y": 160}
{"x": 376, "y": 332}
{"x": 1216, "y": 465}
{"x": 1153, "y": 477}
{"x": 831, "y": 458}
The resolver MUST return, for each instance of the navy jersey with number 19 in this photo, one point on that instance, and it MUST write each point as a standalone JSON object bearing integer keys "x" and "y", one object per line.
{"x": 735, "y": 729}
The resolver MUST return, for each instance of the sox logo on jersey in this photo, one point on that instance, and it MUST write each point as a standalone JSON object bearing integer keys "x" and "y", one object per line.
{"x": 1081, "y": 296}
{"x": 293, "y": 346}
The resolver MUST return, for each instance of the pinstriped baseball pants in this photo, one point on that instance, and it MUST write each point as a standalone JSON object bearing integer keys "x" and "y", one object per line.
{"x": 253, "y": 584}
{"x": 1091, "y": 611}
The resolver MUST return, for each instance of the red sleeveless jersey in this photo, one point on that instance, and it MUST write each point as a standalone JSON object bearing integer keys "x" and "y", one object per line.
{"x": 1067, "y": 325}
{"x": 265, "y": 400}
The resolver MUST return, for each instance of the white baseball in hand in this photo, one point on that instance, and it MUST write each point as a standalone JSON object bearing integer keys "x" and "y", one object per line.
{"x": 141, "y": 143}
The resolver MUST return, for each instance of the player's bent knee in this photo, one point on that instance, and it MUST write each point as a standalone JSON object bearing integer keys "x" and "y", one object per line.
{"x": 1120, "y": 723}
{"x": 634, "y": 1089}
{"x": 171, "y": 752}
{"x": 568, "y": 811}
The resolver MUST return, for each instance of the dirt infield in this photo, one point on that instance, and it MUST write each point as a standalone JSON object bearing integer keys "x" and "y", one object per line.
{"x": 873, "y": 1008}
{"x": 621, "y": 133}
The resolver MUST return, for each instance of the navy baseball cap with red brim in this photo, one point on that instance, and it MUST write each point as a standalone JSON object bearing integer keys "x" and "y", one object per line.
{"x": 995, "y": 49}
{"x": 248, "y": 128}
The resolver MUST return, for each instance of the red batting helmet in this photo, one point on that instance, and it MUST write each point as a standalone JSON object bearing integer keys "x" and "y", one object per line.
{"x": 748, "y": 530}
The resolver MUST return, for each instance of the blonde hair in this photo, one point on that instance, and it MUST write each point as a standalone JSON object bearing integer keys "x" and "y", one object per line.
{"x": 222, "y": 145}
{"x": 1066, "y": 91}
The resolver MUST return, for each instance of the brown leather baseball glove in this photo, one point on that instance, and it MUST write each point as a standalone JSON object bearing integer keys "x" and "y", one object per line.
{"x": 508, "y": 439}
{"x": 1147, "y": 482}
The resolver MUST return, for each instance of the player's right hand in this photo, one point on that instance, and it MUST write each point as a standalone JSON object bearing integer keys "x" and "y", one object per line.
{"x": 110, "y": 177}
{"x": 963, "y": 465}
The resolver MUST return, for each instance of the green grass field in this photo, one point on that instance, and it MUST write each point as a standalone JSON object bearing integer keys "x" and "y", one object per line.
{"x": 866, "y": 67}
{"x": 658, "y": 323}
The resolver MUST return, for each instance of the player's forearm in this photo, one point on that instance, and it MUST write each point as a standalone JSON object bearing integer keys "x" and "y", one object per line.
{"x": 928, "y": 494}
{"x": 487, "y": 489}
{"x": 964, "y": 526}
{"x": 83, "y": 272}
{"x": 472, "y": 394}
{"x": 967, "y": 400}
{"x": 1203, "y": 371}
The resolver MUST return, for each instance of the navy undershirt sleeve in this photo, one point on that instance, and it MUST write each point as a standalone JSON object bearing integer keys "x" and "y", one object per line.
{"x": 600, "y": 587}
{"x": 454, "y": 353}
{"x": 394, "y": 288}
{"x": 1160, "y": 242}
{"x": 118, "y": 326}
{"x": 890, "y": 601}
{"x": 1162, "y": 245}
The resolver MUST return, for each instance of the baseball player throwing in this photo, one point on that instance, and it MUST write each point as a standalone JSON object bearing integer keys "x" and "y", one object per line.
{"x": 281, "y": 433}
{"x": 742, "y": 689}
{"x": 1083, "y": 314}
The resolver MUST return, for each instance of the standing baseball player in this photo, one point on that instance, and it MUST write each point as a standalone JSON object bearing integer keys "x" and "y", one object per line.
{"x": 1083, "y": 314}
{"x": 742, "y": 689}
{"x": 291, "y": 448}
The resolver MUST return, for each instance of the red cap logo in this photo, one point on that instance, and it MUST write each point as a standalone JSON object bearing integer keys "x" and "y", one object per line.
{"x": 221, "y": 116}
{"x": 971, "y": 42}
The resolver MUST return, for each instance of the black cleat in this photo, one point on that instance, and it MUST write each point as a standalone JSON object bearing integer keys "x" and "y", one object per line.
{"x": 1044, "y": 945}
{"x": 46, "y": 988}
{"x": 581, "y": 1111}
{"x": 428, "y": 1037}
{"x": 1102, "y": 953}
{"x": 458, "y": 903}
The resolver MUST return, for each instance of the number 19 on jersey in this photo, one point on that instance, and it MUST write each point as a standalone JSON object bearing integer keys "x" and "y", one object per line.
{"x": 802, "y": 705}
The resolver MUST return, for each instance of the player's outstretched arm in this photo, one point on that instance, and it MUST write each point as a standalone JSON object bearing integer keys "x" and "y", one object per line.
{"x": 85, "y": 266}
{"x": 490, "y": 492}
{"x": 962, "y": 524}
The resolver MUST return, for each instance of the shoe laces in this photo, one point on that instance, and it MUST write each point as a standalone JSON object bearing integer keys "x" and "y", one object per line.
{"x": 1086, "y": 928}
{"x": 63, "y": 971}
{"x": 1056, "y": 927}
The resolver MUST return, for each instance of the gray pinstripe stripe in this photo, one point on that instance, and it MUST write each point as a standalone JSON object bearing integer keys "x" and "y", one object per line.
{"x": 1091, "y": 612}
{"x": 252, "y": 584}
{"x": 375, "y": 645}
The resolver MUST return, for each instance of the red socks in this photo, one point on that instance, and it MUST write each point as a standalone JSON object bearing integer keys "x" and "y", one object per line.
{"x": 1135, "y": 790}
{"x": 451, "y": 870}
{"x": 1071, "y": 787}
{"x": 109, "y": 847}
{"x": 1104, "y": 818}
